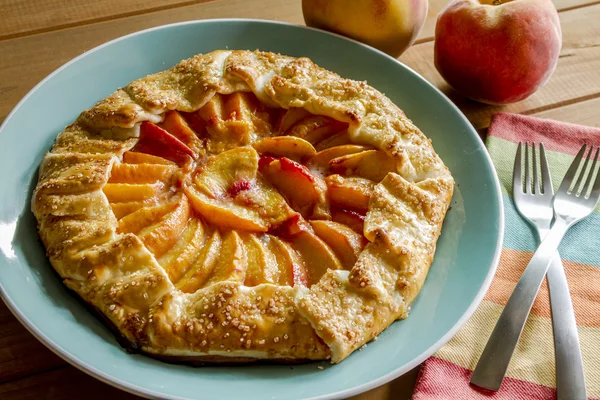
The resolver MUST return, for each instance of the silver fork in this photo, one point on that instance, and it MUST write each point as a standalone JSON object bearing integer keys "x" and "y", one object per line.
{"x": 570, "y": 206}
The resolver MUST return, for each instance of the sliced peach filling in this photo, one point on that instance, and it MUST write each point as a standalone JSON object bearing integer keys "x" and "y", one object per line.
{"x": 238, "y": 191}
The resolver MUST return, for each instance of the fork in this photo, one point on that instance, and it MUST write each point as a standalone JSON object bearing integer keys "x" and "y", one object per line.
{"x": 571, "y": 204}
{"x": 536, "y": 207}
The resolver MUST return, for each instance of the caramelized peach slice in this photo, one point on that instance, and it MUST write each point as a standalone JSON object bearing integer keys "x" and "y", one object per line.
{"x": 240, "y": 106}
{"x": 228, "y": 193}
{"x": 316, "y": 128}
{"x": 232, "y": 262}
{"x": 321, "y": 159}
{"x": 202, "y": 268}
{"x": 351, "y": 219}
{"x": 290, "y": 147}
{"x": 158, "y": 142}
{"x": 178, "y": 259}
{"x": 213, "y": 109}
{"x": 176, "y": 125}
{"x": 125, "y": 192}
{"x": 370, "y": 164}
{"x": 228, "y": 121}
{"x": 222, "y": 171}
{"x": 133, "y": 157}
{"x": 195, "y": 122}
{"x": 305, "y": 191}
{"x": 141, "y": 173}
{"x": 350, "y": 193}
{"x": 225, "y": 214}
{"x": 317, "y": 256}
{"x": 291, "y": 266}
{"x": 344, "y": 242}
{"x": 122, "y": 209}
{"x": 262, "y": 263}
{"x": 136, "y": 221}
{"x": 339, "y": 139}
{"x": 161, "y": 236}
{"x": 290, "y": 117}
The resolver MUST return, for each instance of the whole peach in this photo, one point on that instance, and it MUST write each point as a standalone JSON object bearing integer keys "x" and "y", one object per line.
{"x": 497, "y": 51}
{"x": 389, "y": 25}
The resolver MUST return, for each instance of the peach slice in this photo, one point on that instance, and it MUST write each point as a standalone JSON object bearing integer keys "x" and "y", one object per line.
{"x": 197, "y": 275}
{"x": 344, "y": 242}
{"x": 213, "y": 109}
{"x": 290, "y": 117}
{"x": 232, "y": 262}
{"x": 228, "y": 193}
{"x": 322, "y": 158}
{"x": 125, "y": 192}
{"x": 291, "y": 147}
{"x": 123, "y": 209}
{"x": 178, "y": 259}
{"x": 351, "y": 219}
{"x": 220, "y": 172}
{"x": 158, "y": 142}
{"x": 240, "y": 106}
{"x": 350, "y": 193}
{"x": 141, "y": 173}
{"x": 316, "y": 128}
{"x": 370, "y": 164}
{"x": 305, "y": 191}
{"x": 195, "y": 122}
{"x": 317, "y": 256}
{"x": 228, "y": 122}
{"x": 244, "y": 106}
{"x": 133, "y": 157}
{"x": 339, "y": 139}
{"x": 161, "y": 236}
{"x": 262, "y": 263}
{"x": 136, "y": 221}
{"x": 292, "y": 270}
{"x": 225, "y": 214}
{"x": 176, "y": 125}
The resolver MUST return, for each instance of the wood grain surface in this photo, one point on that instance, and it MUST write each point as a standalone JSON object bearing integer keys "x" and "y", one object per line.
{"x": 36, "y": 37}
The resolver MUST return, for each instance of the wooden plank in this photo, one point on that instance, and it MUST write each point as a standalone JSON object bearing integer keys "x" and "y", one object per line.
{"x": 400, "y": 388}
{"x": 25, "y": 61}
{"x": 577, "y": 76}
{"x": 61, "y": 384}
{"x": 20, "y": 353}
{"x": 584, "y": 113}
{"x": 436, "y": 6}
{"x": 70, "y": 383}
{"x": 23, "y": 17}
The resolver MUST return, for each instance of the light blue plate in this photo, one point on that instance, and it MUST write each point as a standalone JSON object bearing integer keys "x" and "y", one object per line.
{"x": 465, "y": 261}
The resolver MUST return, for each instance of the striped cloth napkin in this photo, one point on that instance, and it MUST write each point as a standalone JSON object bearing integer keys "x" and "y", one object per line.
{"x": 531, "y": 373}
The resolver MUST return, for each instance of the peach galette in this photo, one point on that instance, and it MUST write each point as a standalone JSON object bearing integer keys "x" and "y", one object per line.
{"x": 243, "y": 206}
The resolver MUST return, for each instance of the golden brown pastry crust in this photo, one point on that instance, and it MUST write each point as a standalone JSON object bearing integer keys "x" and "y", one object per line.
{"x": 229, "y": 321}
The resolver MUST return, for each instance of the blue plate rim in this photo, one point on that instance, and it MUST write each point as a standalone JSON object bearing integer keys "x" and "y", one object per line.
{"x": 140, "y": 391}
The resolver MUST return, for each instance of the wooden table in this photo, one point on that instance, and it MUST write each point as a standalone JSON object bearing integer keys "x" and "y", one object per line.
{"x": 36, "y": 37}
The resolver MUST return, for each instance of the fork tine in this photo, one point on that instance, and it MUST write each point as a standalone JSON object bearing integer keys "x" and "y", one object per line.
{"x": 546, "y": 180}
{"x": 527, "y": 177}
{"x": 517, "y": 177}
{"x": 570, "y": 175}
{"x": 578, "y": 187}
{"x": 595, "y": 191}
{"x": 536, "y": 184}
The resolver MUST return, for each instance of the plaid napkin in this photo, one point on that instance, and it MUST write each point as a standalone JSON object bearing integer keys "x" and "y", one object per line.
{"x": 531, "y": 373}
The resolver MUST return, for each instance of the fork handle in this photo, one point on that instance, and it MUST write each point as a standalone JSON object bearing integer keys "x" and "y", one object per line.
{"x": 570, "y": 380}
{"x": 498, "y": 351}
